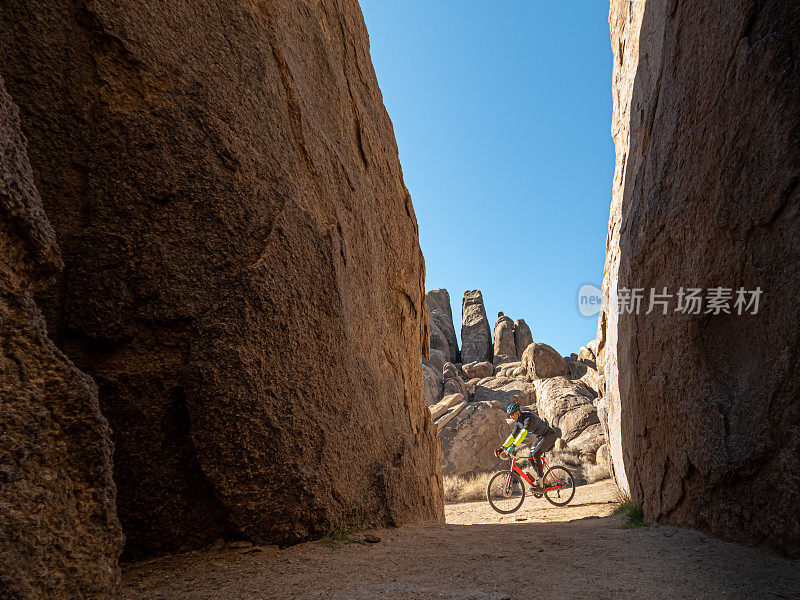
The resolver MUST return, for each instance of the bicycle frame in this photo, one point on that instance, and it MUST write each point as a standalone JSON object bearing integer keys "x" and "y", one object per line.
{"x": 545, "y": 468}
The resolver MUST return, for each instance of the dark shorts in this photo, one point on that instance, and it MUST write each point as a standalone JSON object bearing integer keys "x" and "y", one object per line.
{"x": 544, "y": 444}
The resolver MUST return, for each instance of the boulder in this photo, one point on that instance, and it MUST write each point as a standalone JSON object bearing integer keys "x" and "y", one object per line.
{"x": 453, "y": 384}
{"x": 705, "y": 408}
{"x": 601, "y": 455}
{"x": 586, "y": 355}
{"x": 588, "y": 441}
{"x": 441, "y": 314}
{"x": 478, "y": 369}
{"x": 432, "y": 382}
{"x": 505, "y": 359}
{"x": 441, "y": 407}
{"x": 451, "y": 413}
{"x": 543, "y": 361}
{"x": 594, "y": 381}
{"x": 505, "y": 391}
{"x": 575, "y": 368}
{"x": 468, "y": 441}
{"x": 522, "y": 336}
{"x": 566, "y": 405}
{"x": 58, "y": 522}
{"x": 227, "y": 184}
{"x": 504, "y": 337}
{"x": 507, "y": 369}
{"x": 437, "y": 359}
{"x": 496, "y": 382}
{"x": 476, "y": 337}
{"x": 438, "y": 341}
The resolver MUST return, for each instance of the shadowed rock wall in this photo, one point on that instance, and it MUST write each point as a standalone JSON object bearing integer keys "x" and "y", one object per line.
{"x": 59, "y": 530}
{"x": 704, "y": 411}
{"x": 243, "y": 276}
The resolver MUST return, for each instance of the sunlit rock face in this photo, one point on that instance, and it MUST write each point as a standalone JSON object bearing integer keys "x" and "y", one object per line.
{"x": 476, "y": 336}
{"x": 58, "y": 525}
{"x": 243, "y": 275}
{"x": 441, "y": 316}
{"x": 704, "y": 410}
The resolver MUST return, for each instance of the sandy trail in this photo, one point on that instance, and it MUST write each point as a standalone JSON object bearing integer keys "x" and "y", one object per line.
{"x": 573, "y": 552}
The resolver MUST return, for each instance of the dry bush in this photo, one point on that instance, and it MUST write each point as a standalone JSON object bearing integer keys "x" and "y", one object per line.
{"x": 466, "y": 489}
{"x": 583, "y": 471}
{"x": 594, "y": 473}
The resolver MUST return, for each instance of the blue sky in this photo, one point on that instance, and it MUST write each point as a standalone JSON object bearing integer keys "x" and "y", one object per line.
{"x": 502, "y": 115}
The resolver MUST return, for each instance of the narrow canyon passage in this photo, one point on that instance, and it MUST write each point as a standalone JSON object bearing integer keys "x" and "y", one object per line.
{"x": 574, "y": 552}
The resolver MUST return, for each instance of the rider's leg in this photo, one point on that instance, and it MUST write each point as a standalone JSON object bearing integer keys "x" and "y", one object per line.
{"x": 545, "y": 444}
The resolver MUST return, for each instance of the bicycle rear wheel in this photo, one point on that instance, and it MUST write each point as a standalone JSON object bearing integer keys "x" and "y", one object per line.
{"x": 505, "y": 495}
{"x": 564, "y": 484}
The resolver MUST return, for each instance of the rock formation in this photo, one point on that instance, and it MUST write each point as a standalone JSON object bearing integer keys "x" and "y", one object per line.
{"x": 505, "y": 391}
{"x": 58, "y": 525}
{"x": 438, "y": 341}
{"x": 542, "y": 361}
{"x": 437, "y": 359}
{"x": 566, "y": 405}
{"x": 469, "y": 439}
{"x": 704, "y": 409}
{"x": 504, "y": 337}
{"x": 478, "y": 369}
{"x": 432, "y": 383}
{"x": 476, "y": 337}
{"x": 453, "y": 384}
{"x": 243, "y": 279}
{"x": 441, "y": 314}
{"x": 522, "y": 336}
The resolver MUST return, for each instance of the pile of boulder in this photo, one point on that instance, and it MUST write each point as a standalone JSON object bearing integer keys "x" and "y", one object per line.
{"x": 468, "y": 390}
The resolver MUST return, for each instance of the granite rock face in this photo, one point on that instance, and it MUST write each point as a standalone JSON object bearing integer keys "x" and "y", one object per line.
{"x": 543, "y": 361}
{"x": 522, "y": 336}
{"x": 476, "y": 337}
{"x": 432, "y": 383}
{"x": 469, "y": 439}
{"x": 441, "y": 314}
{"x": 244, "y": 279}
{"x": 704, "y": 409}
{"x": 566, "y": 405}
{"x": 504, "y": 336}
{"x": 58, "y": 525}
{"x": 478, "y": 369}
{"x": 438, "y": 341}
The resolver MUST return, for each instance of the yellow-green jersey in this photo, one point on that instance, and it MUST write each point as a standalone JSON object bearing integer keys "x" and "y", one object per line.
{"x": 527, "y": 423}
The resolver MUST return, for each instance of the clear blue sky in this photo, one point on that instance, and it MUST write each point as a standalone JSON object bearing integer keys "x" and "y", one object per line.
{"x": 502, "y": 115}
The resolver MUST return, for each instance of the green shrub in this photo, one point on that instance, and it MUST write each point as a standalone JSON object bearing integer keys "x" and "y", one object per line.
{"x": 339, "y": 536}
{"x": 632, "y": 514}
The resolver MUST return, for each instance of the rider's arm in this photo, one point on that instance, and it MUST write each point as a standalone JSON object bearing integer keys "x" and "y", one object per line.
{"x": 520, "y": 437}
{"x": 520, "y": 431}
{"x": 510, "y": 439}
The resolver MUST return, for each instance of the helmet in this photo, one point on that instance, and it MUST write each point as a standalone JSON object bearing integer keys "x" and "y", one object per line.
{"x": 512, "y": 408}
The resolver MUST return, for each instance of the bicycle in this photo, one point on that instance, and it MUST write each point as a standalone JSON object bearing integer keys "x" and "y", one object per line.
{"x": 506, "y": 490}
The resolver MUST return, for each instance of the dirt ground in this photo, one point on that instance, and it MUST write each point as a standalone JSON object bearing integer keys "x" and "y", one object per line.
{"x": 578, "y": 551}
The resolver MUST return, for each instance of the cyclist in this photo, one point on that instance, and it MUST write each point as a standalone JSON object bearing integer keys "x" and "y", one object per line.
{"x": 527, "y": 422}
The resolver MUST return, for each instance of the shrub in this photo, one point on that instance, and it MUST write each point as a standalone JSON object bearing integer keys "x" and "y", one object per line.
{"x": 583, "y": 471}
{"x": 461, "y": 489}
{"x": 338, "y": 536}
{"x": 632, "y": 514}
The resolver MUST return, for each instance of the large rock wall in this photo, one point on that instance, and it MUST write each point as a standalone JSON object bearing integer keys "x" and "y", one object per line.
{"x": 704, "y": 410}
{"x": 476, "y": 337}
{"x": 244, "y": 279}
{"x": 441, "y": 315}
{"x": 58, "y": 525}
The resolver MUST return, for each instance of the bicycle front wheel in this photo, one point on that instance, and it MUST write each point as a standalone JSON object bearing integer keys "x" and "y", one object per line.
{"x": 505, "y": 492}
{"x": 563, "y": 485}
